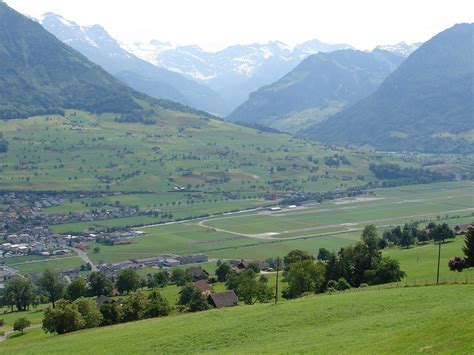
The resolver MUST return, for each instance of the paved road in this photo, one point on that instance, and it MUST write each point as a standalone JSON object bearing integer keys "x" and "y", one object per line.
{"x": 84, "y": 257}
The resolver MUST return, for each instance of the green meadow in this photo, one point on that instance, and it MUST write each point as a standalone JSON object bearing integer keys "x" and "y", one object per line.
{"x": 433, "y": 319}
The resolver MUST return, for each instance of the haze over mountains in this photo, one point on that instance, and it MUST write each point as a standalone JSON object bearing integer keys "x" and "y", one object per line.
{"x": 235, "y": 71}
{"x": 427, "y": 104}
{"x": 98, "y": 46}
{"x": 320, "y": 86}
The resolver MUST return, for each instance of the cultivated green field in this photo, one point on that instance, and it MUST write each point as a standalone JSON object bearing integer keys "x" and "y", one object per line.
{"x": 84, "y": 152}
{"x": 261, "y": 234}
{"x": 432, "y": 319}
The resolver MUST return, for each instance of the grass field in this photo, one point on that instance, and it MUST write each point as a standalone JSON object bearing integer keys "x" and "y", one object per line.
{"x": 330, "y": 225}
{"x": 432, "y": 319}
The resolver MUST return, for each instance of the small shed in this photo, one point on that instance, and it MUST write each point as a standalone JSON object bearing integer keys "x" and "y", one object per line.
{"x": 223, "y": 299}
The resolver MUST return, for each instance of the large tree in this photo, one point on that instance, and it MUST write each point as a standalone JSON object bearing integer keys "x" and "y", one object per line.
{"x": 295, "y": 256}
{"x": 19, "y": 292}
{"x": 223, "y": 272}
{"x": 64, "y": 318}
{"x": 76, "y": 289}
{"x": 304, "y": 276}
{"x": 99, "y": 284}
{"x": 53, "y": 285}
{"x": 89, "y": 312}
{"x": 128, "y": 280}
{"x": 135, "y": 307}
{"x": 158, "y": 306}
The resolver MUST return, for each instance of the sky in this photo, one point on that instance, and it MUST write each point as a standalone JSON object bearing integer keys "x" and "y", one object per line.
{"x": 215, "y": 24}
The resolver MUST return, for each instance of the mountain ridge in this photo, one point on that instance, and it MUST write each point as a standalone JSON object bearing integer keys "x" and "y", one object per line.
{"x": 318, "y": 87}
{"x": 427, "y": 99}
{"x": 98, "y": 46}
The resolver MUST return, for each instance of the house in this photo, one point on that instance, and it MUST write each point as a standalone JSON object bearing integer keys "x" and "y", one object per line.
{"x": 462, "y": 228}
{"x": 204, "y": 287}
{"x": 223, "y": 299}
{"x": 240, "y": 267}
{"x": 197, "y": 273}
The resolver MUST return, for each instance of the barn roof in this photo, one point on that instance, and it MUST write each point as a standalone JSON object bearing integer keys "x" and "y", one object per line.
{"x": 223, "y": 299}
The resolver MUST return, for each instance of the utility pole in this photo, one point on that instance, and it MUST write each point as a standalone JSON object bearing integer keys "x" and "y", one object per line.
{"x": 439, "y": 257}
{"x": 276, "y": 282}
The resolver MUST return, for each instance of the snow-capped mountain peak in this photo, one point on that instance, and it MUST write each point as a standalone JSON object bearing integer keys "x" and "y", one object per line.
{"x": 403, "y": 49}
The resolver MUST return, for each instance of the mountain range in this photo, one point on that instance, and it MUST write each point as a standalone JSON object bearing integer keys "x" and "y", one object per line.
{"x": 320, "y": 86}
{"x": 235, "y": 71}
{"x": 98, "y": 46}
{"x": 427, "y": 104}
{"x": 41, "y": 75}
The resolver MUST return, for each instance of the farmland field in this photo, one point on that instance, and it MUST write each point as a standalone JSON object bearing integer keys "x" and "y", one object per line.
{"x": 333, "y": 224}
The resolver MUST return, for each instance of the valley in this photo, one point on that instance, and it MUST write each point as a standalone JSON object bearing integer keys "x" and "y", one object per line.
{"x": 251, "y": 198}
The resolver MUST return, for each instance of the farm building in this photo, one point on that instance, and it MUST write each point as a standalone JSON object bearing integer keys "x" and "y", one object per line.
{"x": 223, "y": 299}
{"x": 204, "y": 287}
{"x": 462, "y": 228}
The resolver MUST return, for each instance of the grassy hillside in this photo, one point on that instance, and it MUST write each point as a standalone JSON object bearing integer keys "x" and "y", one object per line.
{"x": 406, "y": 320}
{"x": 83, "y": 151}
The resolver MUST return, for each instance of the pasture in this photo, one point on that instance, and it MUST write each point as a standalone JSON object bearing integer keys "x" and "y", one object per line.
{"x": 403, "y": 320}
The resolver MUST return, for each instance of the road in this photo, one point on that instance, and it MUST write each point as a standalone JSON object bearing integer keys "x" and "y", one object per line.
{"x": 80, "y": 253}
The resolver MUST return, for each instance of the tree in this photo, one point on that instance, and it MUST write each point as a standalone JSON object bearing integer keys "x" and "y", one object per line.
{"x": 332, "y": 268}
{"x": 370, "y": 237}
{"x": 407, "y": 238}
{"x": 457, "y": 264}
{"x": 161, "y": 279}
{"x": 250, "y": 291}
{"x": 179, "y": 277}
{"x": 323, "y": 254}
{"x": 52, "y": 284}
{"x": 158, "y": 306}
{"x": 295, "y": 256}
{"x": 254, "y": 267}
{"x": 387, "y": 270}
{"x": 96, "y": 250}
{"x": 19, "y": 292}
{"x": 111, "y": 313}
{"x": 223, "y": 272}
{"x": 304, "y": 276}
{"x": 64, "y": 318}
{"x": 128, "y": 280}
{"x": 135, "y": 307}
{"x": 468, "y": 248}
{"x": 342, "y": 284}
{"x": 76, "y": 289}
{"x": 21, "y": 324}
{"x": 422, "y": 236}
{"x": 99, "y": 284}
{"x": 89, "y": 313}
{"x": 192, "y": 297}
{"x": 440, "y": 232}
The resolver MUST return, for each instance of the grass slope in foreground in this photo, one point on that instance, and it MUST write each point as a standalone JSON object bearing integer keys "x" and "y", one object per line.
{"x": 408, "y": 320}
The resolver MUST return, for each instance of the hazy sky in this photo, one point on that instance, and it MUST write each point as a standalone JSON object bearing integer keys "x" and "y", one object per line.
{"x": 214, "y": 24}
